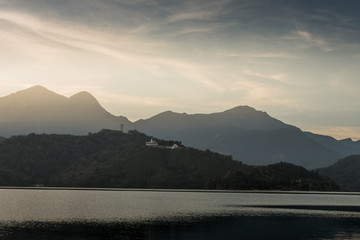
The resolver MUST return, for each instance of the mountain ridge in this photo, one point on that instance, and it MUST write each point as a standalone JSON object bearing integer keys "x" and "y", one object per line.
{"x": 253, "y": 137}
{"x": 39, "y": 110}
{"x": 238, "y": 115}
{"x": 249, "y": 135}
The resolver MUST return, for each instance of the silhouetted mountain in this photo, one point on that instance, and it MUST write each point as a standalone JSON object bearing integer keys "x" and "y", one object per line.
{"x": 345, "y": 172}
{"x": 238, "y": 118}
{"x": 2, "y": 139}
{"x": 116, "y": 159}
{"x": 38, "y": 110}
{"x": 248, "y": 135}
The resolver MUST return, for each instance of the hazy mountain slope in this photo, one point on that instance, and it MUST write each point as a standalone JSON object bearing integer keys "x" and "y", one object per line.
{"x": 345, "y": 147}
{"x": 241, "y": 117}
{"x": 2, "y": 139}
{"x": 38, "y": 110}
{"x": 345, "y": 172}
{"x": 250, "y": 136}
{"x": 32, "y": 104}
{"x": 272, "y": 146}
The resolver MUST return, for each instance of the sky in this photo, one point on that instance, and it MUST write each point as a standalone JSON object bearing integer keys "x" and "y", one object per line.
{"x": 297, "y": 60}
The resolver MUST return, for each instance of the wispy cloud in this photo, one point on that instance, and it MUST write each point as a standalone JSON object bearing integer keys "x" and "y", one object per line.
{"x": 200, "y": 15}
{"x": 61, "y": 41}
{"x": 281, "y": 77}
{"x": 265, "y": 55}
{"x": 260, "y": 94}
{"x": 198, "y": 10}
{"x": 307, "y": 40}
{"x": 210, "y": 27}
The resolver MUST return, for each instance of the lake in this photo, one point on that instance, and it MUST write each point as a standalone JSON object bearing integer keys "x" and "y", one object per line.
{"x": 47, "y": 213}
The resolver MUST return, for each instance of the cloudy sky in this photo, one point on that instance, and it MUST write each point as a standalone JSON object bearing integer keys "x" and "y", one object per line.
{"x": 297, "y": 60}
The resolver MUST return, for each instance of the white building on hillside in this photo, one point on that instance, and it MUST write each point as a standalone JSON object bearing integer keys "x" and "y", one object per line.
{"x": 152, "y": 143}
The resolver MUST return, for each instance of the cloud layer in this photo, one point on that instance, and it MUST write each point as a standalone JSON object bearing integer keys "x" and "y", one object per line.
{"x": 139, "y": 58}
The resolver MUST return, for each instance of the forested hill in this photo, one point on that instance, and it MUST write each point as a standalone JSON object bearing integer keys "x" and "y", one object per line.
{"x": 345, "y": 172}
{"x": 116, "y": 159}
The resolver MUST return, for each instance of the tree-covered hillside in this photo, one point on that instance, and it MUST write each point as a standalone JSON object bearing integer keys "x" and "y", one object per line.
{"x": 345, "y": 172}
{"x": 116, "y": 159}
{"x": 282, "y": 176}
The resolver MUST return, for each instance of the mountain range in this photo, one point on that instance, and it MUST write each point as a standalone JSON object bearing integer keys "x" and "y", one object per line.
{"x": 247, "y": 134}
{"x": 38, "y": 110}
{"x": 250, "y": 136}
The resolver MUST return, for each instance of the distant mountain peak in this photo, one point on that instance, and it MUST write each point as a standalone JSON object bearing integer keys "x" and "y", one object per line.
{"x": 37, "y": 89}
{"x": 34, "y": 95}
{"x": 39, "y": 110}
{"x": 87, "y": 104}
{"x": 165, "y": 115}
{"x": 242, "y": 108}
{"x": 83, "y": 97}
{"x": 82, "y": 94}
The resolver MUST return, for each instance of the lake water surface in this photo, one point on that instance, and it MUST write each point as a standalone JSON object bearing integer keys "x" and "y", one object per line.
{"x": 140, "y": 214}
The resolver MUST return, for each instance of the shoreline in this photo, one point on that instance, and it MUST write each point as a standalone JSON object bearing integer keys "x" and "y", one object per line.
{"x": 178, "y": 190}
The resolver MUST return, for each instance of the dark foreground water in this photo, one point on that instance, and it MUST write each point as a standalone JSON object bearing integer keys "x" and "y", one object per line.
{"x": 94, "y": 214}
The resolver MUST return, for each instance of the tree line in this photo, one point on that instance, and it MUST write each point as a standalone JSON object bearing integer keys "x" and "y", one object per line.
{"x": 121, "y": 160}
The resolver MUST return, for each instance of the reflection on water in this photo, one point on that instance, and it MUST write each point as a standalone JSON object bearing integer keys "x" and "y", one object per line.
{"x": 70, "y": 214}
{"x": 224, "y": 227}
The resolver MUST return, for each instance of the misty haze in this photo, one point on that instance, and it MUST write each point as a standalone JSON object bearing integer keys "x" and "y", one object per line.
{"x": 220, "y": 119}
